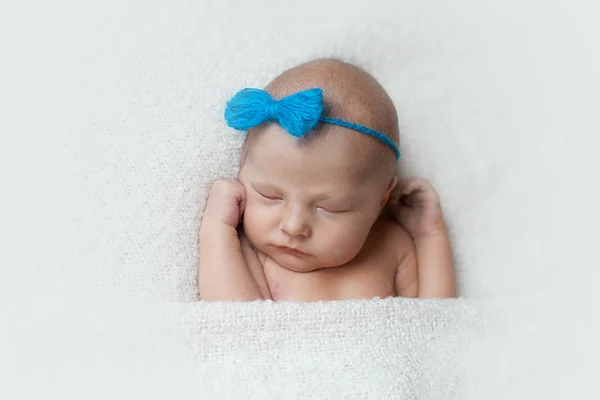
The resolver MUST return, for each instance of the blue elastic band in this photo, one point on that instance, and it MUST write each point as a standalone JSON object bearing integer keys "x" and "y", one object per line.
{"x": 365, "y": 130}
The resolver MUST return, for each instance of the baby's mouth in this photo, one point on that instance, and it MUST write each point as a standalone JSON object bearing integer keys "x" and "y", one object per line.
{"x": 291, "y": 250}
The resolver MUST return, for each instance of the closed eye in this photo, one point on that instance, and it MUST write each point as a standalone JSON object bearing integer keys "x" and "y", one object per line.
{"x": 268, "y": 197}
{"x": 333, "y": 210}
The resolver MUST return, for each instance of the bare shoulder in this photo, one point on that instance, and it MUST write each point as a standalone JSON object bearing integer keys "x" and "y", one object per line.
{"x": 246, "y": 245}
{"x": 249, "y": 250}
{"x": 255, "y": 262}
{"x": 406, "y": 275}
{"x": 396, "y": 236}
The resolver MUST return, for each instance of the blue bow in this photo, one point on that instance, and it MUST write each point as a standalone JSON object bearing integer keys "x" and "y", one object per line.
{"x": 297, "y": 113}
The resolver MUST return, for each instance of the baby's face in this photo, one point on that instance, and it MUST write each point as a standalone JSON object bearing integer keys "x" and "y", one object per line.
{"x": 317, "y": 199}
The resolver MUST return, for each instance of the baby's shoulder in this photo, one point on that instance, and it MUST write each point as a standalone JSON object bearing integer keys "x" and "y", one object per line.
{"x": 393, "y": 236}
{"x": 388, "y": 228}
{"x": 248, "y": 250}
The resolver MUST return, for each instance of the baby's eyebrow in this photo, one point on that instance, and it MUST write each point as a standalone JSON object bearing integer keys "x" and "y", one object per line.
{"x": 264, "y": 185}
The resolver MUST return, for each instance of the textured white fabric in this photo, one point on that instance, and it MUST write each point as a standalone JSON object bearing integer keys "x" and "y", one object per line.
{"x": 352, "y": 349}
{"x": 111, "y": 132}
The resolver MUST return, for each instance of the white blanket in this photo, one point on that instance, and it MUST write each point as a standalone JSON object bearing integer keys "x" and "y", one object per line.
{"x": 111, "y": 132}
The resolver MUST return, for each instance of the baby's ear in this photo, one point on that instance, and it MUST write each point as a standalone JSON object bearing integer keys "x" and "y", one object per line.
{"x": 388, "y": 193}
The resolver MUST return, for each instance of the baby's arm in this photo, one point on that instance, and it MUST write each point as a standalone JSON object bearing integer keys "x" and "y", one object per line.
{"x": 417, "y": 209}
{"x": 223, "y": 273}
{"x": 434, "y": 261}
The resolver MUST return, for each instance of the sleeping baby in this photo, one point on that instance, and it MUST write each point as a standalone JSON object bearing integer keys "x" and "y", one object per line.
{"x": 317, "y": 211}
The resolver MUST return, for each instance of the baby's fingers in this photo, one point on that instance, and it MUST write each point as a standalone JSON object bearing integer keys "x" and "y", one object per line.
{"x": 413, "y": 184}
{"x": 418, "y": 189}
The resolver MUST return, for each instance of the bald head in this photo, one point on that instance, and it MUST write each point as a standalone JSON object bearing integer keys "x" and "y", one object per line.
{"x": 350, "y": 94}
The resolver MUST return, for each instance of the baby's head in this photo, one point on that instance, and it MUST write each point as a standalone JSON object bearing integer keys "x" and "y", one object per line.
{"x": 320, "y": 193}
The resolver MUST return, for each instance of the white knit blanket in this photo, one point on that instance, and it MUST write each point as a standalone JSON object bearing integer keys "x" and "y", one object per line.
{"x": 111, "y": 133}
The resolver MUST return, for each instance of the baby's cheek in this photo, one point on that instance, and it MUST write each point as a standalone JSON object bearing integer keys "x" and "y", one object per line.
{"x": 255, "y": 222}
{"x": 345, "y": 242}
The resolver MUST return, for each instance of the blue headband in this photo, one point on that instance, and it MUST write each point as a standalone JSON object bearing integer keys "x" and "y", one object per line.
{"x": 297, "y": 113}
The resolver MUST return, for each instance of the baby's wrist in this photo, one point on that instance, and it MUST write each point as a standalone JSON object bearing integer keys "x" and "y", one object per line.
{"x": 216, "y": 219}
{"x": 439, "y": 230}
{"x": 429, "y": 234}
{"x": 213, "y": 229}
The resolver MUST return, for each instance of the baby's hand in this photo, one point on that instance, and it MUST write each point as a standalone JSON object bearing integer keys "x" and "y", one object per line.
{"x": 226, "y": 203}
{"x": 416, "y": 206}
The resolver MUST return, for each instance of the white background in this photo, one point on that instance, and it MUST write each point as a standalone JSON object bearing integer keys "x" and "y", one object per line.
{"x": 111, "y": 132}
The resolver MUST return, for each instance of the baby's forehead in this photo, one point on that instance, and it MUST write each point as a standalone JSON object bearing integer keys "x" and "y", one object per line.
{"x": 330, "y": 151}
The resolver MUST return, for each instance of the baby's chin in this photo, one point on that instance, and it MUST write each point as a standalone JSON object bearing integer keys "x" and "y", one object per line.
{"x": 294, "y": 262}
{"x": 300, "y": 263}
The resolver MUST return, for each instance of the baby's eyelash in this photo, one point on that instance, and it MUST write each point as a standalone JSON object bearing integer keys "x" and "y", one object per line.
{"x": 268, "y": 197}
{"x": 325, "y": 209}
{"x": 333, "y": 211}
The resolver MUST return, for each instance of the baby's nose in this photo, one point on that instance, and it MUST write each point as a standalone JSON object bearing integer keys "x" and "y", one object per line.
{"x": 295, "y": 224}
